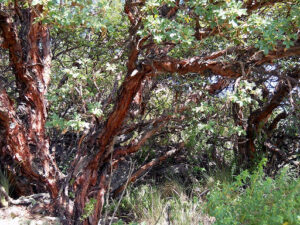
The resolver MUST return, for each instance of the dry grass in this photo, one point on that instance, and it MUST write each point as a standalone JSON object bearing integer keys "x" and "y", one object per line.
{"x": 164, "y": 205}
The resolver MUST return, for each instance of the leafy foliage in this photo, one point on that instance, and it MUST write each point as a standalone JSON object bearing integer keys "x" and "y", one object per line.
{"x": 256, "y": 199}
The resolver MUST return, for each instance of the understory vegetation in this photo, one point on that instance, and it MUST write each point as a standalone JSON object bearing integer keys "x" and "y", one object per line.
{"x": 220, "y": 198}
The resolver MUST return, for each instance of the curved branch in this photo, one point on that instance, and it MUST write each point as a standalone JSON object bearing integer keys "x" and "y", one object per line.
{"x": 199, "y": 64}
{"x": 274, "y": 123}
{"x": 259, "y": 118}
{"x": 143, "y": 169}
{"x": 136, "y": 144}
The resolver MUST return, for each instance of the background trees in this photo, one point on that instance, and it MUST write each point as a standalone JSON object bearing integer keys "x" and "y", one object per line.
{"x": 130, "y": 78}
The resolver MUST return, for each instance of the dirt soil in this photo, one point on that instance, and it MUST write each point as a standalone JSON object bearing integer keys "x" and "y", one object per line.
{"x": 22, "y": 215}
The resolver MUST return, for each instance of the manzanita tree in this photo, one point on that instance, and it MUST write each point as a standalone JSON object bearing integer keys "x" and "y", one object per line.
{"x": 119, "y": 54}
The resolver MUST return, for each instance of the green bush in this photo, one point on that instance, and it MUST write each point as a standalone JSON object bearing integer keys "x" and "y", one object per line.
{"x": 89, "y": 208}
{"x": 254, "y": 199}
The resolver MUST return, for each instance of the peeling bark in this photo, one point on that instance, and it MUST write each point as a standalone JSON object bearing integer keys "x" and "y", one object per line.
{"x": 198, "y": 64}
{"x": 25, "y": 124}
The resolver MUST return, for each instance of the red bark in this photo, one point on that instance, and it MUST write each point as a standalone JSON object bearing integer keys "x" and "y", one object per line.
{"x": 89, "y": 180}
{"x": 17, "y": 145}
{"x": 27, "y": 138}
{"x": 232, "y": 69}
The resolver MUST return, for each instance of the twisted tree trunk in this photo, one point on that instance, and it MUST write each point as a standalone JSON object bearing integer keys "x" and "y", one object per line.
{"x": 23, "y": 119}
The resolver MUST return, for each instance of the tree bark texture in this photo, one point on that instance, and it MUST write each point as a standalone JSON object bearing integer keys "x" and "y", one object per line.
{"x": 24, "y": 118}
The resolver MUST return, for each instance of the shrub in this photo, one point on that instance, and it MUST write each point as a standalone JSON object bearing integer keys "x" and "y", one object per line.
{"x": 254, "y": 199}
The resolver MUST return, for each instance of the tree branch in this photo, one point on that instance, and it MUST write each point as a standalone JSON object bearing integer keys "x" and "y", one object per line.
{"x": 259, "y": 118}
{"x": 143, "y": 169}
{"x": 199, "y": 64}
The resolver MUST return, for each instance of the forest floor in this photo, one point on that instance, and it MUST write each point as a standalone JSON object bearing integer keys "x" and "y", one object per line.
{"x": 33, "y": 212}
{"x": 23, "y": 215}
{"x": 169, "y": 181}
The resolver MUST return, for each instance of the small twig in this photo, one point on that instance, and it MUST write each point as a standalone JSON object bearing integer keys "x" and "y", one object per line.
{"x": 167, "y": 205}
{"x": 123, "y": 192}
{"x": 108, "y": 188}
{"x": 5, "y": 195}
{"x": 204, "y": 192}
